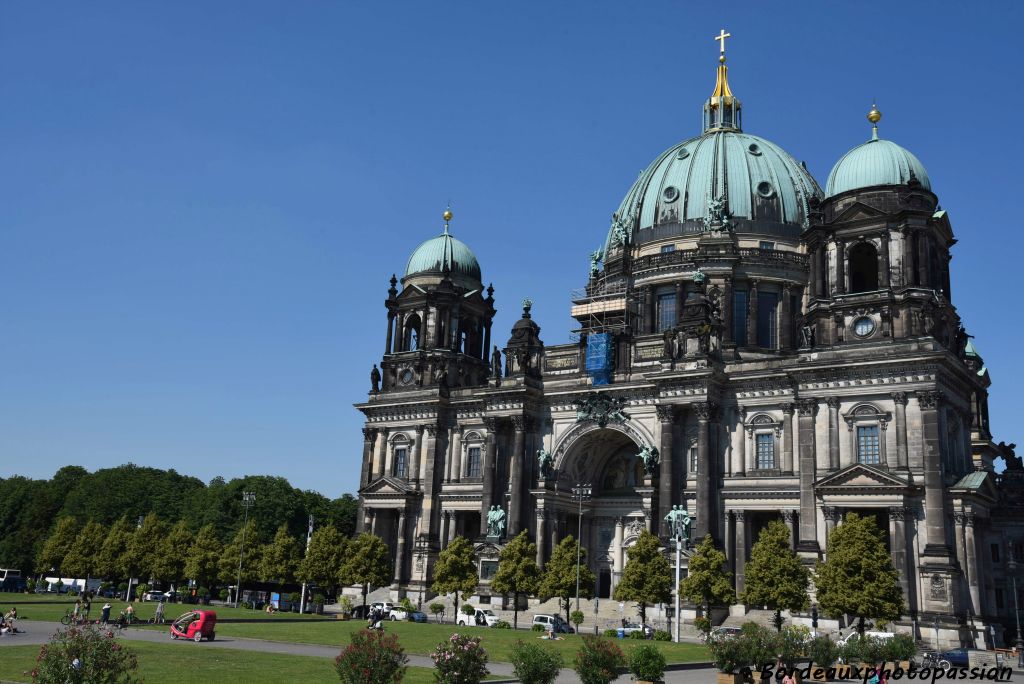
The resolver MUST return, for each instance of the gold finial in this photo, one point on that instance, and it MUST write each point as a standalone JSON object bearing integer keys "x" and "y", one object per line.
{"x": 447, "y": 216}
{"x": 722, "y": 83}
{"x": 874, "y": 116}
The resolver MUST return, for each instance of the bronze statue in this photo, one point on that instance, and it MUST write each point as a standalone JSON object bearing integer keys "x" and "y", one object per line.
{"x": 496, "y": 362}
{"x": 375, "y": 379}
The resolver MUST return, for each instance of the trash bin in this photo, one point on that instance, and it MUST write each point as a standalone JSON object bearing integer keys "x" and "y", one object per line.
{"x": 620, "y": 633}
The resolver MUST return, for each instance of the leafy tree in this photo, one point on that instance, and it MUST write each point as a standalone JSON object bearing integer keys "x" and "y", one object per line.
{"x": 280, "y": 558}
{"x": 706, "y": 583}
{"x": 857, "y": 577}
{"x": 247, "y": 553}
{"x": 141, "y": 553}
{"x": 203, "y": 559}
{"x": 57, "y": 545}
{"x": 517, "y": 571}
{"x": 325, "y": 558}
{"x": 647, "y": 577}
{"x": 436, "y": 608}
{"x": 559, "y": 577}
{"x": 455, "y": 571}
{"x": 775, "y": 577}
{"x": 366, "y": 563}
{"x": 82, "y": 559}
{"x": 108, "y": 562}
{"x": 171, "y": 554}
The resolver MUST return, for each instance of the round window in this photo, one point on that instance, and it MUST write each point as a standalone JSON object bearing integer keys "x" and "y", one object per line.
{"x": 754, "y": 149}
{"x": 670, "y": 194}
{"x": 407, "y": 376}
{"x": 863, "y": 326}
{"x": 683, "y": 153}
{"x": 764, "y": 189}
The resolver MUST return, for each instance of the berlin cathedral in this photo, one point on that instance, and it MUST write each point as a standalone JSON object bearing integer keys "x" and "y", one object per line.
{"x": 751, "y": 346}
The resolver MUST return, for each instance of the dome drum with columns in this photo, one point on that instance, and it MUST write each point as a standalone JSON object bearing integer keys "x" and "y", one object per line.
{"x": 746, "y": 345}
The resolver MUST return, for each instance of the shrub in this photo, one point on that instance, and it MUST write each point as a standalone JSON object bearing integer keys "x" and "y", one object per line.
{"x": 84, "y": 654}
{"x": 467, "y": 609}
{"x": 613, "y": 633}
{"x": 539, "y": 628}
{"x": 646, "y": 662}
{"x": 319, "y": 599}
{"x": 407, "y": 605}
{"x": 141, "y": 588}
{"x": 123, "y": 586}
{"x": 502, "y": 624}
{"x": 371, "y": 658}
{"x": 793, "y": 641}
{"x": 638, "y": 634}
{"x": 727, "y": 652}
{"x": 900, "y": 647}
{"x": 598, "y": 661}
{"x": 872, "y": 650}
{"x": 534, "y": 664}
{"x": 459, "y": 660}
{"x": 759, "y": 645}
{"x": 702, "y": 624}
{"x": 576, "y": 618}
{"x": 822, "y": 651}
{"x": 224, "y": 593}
{"x": 30, "y": 585}
{"x": 662, "y": 635}
{"x": 436, "y": 608}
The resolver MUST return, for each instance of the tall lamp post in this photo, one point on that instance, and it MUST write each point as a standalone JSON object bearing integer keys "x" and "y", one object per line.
{"x": 678, "y": 520}
{"x": 580, "y": 493}
{"x": 248, "y": 499}
{"x": 309, "y": 535}
{"x": 1011, "y": 565}
{"x": 421, "y": 548}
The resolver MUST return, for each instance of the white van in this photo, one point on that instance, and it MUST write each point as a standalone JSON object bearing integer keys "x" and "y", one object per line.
{"x": 480, "y": 618}
{"x": 853, "y": 636}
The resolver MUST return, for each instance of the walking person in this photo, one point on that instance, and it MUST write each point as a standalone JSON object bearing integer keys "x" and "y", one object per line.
{"x": 105, "y": 614}
{"x": 159, "y": 617}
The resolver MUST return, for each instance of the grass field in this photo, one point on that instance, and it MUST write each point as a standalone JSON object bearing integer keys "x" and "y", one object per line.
{"x": 172, "y": 664}
{"x": 47, "y": 607}
{"x": 421, "y": 639}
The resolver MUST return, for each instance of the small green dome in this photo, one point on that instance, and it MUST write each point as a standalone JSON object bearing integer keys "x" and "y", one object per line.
{"x": 874, "y": 163}
{"x": 443, "y": 253}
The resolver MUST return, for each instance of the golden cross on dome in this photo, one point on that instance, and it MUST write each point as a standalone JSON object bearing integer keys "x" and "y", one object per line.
{"x": 722, "y": 35}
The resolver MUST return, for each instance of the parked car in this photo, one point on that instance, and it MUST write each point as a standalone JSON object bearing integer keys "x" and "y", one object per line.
{"x": 417, "y": 616}
{"x": 397, "y": 613}
{"x": 957, "y": 657}
{"x": 553, "y": 623}
{"x": 631, "y": 627}
{"x": 719, "y": 632}
{"x": 481, "y": 618}
{"x": 361, "y": 612}
{"x": 853, "y": 636}
{"x": 384, "y": 607}
{"x": 159, "y": 596}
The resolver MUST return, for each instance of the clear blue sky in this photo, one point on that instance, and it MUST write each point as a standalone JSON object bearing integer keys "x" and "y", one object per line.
{"x": 201, "y": 202}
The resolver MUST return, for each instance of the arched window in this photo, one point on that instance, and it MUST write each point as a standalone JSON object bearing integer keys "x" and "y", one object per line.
{"x": 863, "y": 268}
{"x": 410, "y": 338}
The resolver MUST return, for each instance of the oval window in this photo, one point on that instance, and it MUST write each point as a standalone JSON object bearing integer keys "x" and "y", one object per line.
{"x": 754, "y": 149}
{"x": 683, "y": 153}
{"x": 670, "y": 194}
{"x": 863, "y": 326}
{"x": 765, "y": 189}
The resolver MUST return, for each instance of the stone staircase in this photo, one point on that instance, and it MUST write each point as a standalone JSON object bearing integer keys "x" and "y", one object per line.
{"x": 765, "y": 618}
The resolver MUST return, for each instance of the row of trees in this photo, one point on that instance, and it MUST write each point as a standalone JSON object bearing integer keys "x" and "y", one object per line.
{"x": 31, "y": 509}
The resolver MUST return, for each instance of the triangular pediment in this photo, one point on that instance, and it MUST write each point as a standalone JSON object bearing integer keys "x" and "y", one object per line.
{"x": 860, "y": 476}
{"x": 386, "y": 486}
{"x": 857, "y": 212}
{"x": 978, "y": 484}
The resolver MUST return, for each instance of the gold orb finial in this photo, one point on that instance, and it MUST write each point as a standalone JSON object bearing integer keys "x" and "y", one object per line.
{"x": 447, "y": 215}
{"x": 874, "y": 116}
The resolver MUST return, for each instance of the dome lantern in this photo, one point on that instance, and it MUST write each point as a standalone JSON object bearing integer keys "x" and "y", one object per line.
{"x": 722, "y": 111}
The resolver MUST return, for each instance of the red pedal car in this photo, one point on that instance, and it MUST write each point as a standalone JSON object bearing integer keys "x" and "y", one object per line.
{"x": 196, "y": 625}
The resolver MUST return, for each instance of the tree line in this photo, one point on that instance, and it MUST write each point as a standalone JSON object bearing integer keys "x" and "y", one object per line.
{"x": 31, "y": 510}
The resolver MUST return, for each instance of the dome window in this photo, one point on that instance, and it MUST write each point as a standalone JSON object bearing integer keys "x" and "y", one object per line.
{"x": 670, "y": 194}
{"x": 754, "y": 149}
{"x": 765, "y": 189}
{"x": 683, "y": 153}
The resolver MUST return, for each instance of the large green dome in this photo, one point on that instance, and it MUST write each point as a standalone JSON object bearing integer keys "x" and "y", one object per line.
{"x": 443, "y": 254}
{"x": 764, "y": 189}
{"x": 874, "y": 163}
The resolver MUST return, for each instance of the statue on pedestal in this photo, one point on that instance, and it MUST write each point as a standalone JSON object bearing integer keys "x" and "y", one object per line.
{"x": 375, "y": 379}
{"x": 495, "y": 522}
{"x": 678, "y": 520}
{"x": 546, "y": 462}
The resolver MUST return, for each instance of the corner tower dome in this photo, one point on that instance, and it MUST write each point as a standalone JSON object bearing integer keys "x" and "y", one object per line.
{"x": 723, "y": 175}
{"x": 443, "y": 256}
{"x": 875, "y": 163}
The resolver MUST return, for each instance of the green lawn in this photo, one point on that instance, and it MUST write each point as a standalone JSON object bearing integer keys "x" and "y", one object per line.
{"x": 53, "y": 608}
{"x": 421, "y": 639}
{"x": 178, "y": 662}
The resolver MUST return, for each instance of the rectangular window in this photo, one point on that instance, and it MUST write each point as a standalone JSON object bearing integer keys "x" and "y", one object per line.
{"x": 867, "y": 444}
{"x": 767, "y": 321}
{"x": 995, "y": 553}
{"x": 693, "y": 459}
{"x": 739, "y": 317}
{"x": 767, "y": 245}
{"x": 668, "y": 249}
{"x": 999, "y": 599}
{"x": 474, "y": 462}
{"x": 765, "y": 448}
{"x": 666, "y": 311}
{"x": 401, "y": 459}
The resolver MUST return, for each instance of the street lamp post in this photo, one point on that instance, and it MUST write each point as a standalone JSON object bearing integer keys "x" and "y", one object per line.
{"x": 309, "y": 535}
{"x": 580, "y": 493}
{"x": 248, "y": 499}
{"x": 1012, "y": 567}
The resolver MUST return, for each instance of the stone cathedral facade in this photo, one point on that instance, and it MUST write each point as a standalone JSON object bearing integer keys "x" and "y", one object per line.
{"x": 774, "y": 349}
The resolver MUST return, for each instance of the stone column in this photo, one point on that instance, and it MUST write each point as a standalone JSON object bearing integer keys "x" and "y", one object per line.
{"x": 617, "y": 548}
{"x": 651, "y": 324}
{"x": 730, "y": 543}
{"x": 680, "y": 298}
{"x": 400, "y": 549}
{"x": 515, "y": 508}
{"x": 829, "y": 513}
{"x": 487, "y": 344}
{"x": 665, "y": 475}
{"x": 787, "y": 439}
{"x": 379, "y": 453}
{"x": 542, "y": 524}
{"x": 833, "y": 433}
{"x": 740, "y": 467}
{"x": 412, "y": 472}
{"x": 453, "y": 470}
{"x": 705, "y": 473}
{"x": 369, "y": 437}
{"x": 883, "y": 268}
{"x": 391, "y": 327}
{"x": 727, "y": 312}
{"x": 553, "y": 529}
{"x": 446, "y": 529}
{"x": 959, "y": 521}
{"x": 752, "y": 313}
{"x": 490, "y": 455}
{"x": 934, "y": 497}
{"x": 973, "y": 580}
{"x": 741, "y": 548}
{"x": 840, "y": 266}
{"x": 923, "y": 276}
{"x": 372, "y": 514}
{"x": 898, "y": 541}
{"x": 815, "y": 274}
{"x": 786, "y": 317}
{"x": 900, "y": 399}
{"x": 789, "y": 517}
{"x": 431, "y": 519}
{"x": 807, "y": 409}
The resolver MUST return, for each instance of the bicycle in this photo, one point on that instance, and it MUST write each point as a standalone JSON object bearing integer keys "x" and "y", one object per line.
{"x": 71, "y": 619}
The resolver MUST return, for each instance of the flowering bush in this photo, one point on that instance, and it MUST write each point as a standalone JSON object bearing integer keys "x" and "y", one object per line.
{"x": 647, "y": 663}
{"x": 371, "y": 658}
{"x": 598, "y": 661}
{"x": 459, "y": 660}
{"x": 534, "y": 664}
{"x": 77, "y": 655}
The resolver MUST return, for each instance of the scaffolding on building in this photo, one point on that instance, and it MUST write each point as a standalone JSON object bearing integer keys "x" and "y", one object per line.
{"x": 604, "y": 305}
